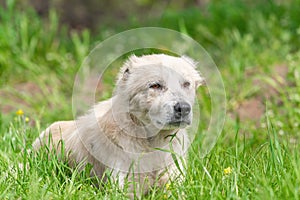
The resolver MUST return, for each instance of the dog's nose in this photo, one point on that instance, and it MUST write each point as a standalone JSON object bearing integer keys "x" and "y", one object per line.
{"x": 182, "y": 109}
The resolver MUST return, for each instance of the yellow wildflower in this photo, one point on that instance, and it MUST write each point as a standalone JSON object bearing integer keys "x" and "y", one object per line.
{"x": 20, "y": 112}
{"x": 167, "y": 186}
{"x": 227, "y": 170}
{"x": 26, "y": 119}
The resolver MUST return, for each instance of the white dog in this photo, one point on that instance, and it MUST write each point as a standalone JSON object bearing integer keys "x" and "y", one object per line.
{"x": 135, "y": 133}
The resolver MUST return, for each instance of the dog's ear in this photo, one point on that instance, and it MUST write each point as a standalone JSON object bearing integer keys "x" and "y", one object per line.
{"x": 125, "y": 74}
{"x": 199, "y": 79}
{"x": 127, "y": 68}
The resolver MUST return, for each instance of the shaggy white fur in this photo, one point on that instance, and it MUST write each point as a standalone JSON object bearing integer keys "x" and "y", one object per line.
{"x": 134, "y": 132}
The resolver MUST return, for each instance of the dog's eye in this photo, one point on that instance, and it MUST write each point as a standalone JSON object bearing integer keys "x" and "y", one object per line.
{"x": 186, "y": 84}
{"x": 156, "y": 86}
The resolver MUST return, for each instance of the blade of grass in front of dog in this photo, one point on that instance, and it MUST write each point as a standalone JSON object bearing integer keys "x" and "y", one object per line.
{"x": 174, "y": 157}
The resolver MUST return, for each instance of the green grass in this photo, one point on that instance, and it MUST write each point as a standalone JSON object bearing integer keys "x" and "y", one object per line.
{"x": 263, "y": 154}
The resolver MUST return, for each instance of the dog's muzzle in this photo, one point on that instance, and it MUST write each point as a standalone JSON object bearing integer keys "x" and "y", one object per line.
{"x": 181, "y": 114}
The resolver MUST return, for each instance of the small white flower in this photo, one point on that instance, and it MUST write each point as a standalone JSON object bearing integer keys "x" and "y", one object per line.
{"x": 281, "y": 132}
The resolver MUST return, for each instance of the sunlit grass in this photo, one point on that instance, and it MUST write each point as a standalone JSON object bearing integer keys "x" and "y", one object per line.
{"x": 251, "y": 159}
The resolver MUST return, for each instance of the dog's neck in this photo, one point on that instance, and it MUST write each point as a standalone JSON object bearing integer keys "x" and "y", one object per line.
{"x": 129, "y": 128}
{"x": 152, "y": 133}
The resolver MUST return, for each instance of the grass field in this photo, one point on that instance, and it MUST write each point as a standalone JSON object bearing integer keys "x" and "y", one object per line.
{"x": 255, "y": 46}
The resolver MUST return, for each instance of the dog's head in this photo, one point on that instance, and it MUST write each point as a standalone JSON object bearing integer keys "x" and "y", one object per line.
{"x": 160, "y": 89}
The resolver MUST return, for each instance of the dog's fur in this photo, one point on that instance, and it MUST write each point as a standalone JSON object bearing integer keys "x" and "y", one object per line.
{"x": 124, "y": 134}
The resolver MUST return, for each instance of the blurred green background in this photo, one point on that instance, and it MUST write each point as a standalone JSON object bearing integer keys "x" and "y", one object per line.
{"x": 42, "y": 43}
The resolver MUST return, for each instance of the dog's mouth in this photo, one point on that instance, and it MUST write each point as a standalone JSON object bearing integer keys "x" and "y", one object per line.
{"x": 179, "y": 123}
{"x": 176, "y": 123}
